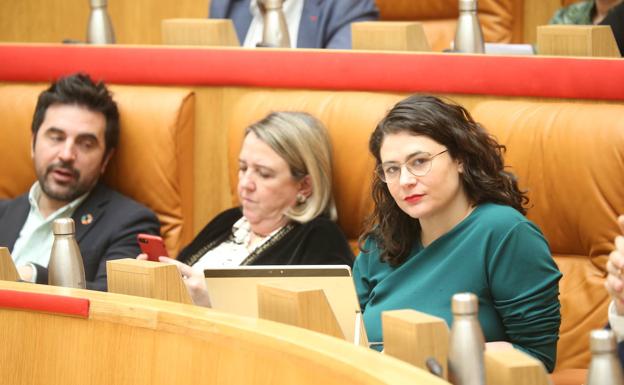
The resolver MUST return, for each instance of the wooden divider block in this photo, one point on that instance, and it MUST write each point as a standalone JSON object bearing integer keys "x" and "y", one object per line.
{"x": 389, "y": 36}
{"x": 513, "y": 367}
{"x": 576, "y": 40}
{"x": 414, "y": 337}
{"x": 209, "y": 32}
{"x": 8, "y": 272}
{"x": 146, "y": 279}
{"x": 304, "y": 307}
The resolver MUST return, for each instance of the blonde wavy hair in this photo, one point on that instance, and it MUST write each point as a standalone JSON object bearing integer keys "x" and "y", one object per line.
{"x": 302, "y": 141}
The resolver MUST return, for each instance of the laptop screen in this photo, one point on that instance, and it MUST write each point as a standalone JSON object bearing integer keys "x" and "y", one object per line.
{"x": 234, "y": 290}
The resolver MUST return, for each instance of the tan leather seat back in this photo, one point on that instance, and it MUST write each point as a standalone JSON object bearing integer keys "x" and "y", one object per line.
{"x": 570, "y": 158}
{"x": 568, "y": 155}
{"x": 350, "y": 118}
{"x": 17, "y": 105}
{"x": 153, "y": 163}
{"x": 501, "y": 20}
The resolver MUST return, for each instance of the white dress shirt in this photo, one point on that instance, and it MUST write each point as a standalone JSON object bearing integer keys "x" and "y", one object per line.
{"x": 34, "y": 242}
{"x": 616, "y": 321}
{"x": 233, "y": 251}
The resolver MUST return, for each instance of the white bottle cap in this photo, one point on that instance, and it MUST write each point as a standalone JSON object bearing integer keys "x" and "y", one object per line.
{"x": 602, "y": 341}
{"x": 98, "y": 3}
{"x": 273, "y": 4}
{"x": 467, "y": 5}
{"x": 465, "y": 303}
{"x": 63, "y": 226}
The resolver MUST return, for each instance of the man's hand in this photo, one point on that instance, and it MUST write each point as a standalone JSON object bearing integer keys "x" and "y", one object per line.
{"x": 25, "y": 272}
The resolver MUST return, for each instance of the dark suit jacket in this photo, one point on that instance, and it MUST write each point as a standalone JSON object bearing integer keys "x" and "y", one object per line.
{"x": 615, "y": 18}
{"x": 111, "y": 234}
{"x": 620, "y": 349}
{"x": 324, "y": 23}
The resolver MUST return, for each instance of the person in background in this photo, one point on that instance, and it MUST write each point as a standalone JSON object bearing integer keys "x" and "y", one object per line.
{"x": 311, "y": 23}
{"x": 75, "y": 130}
{"x": 287, "y": 213}
{"x": 584, "y": 12}
{"x": 449, "y": 218}
{"x": 615, "y": 19}
{"x": 615, "y": 286}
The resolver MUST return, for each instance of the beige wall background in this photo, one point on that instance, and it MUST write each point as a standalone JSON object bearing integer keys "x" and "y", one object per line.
{"x": 51, "y": 21}
{"x": 138, "y": 21}
{"x": 536, "y": 13}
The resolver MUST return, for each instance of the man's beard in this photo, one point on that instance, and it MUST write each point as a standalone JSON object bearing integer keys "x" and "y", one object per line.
{"x": 71, "y": 191}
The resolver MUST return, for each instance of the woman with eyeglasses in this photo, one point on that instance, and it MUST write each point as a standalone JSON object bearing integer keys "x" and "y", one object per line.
{"x": 449, "y": 218}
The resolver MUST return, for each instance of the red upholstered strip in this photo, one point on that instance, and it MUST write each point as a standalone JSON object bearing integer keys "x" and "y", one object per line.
{"x": 48, "y": 303}
{"x": 331, "y": 70}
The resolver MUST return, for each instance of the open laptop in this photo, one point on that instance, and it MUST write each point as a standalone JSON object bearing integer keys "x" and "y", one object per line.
{"x": 234, "y": 290}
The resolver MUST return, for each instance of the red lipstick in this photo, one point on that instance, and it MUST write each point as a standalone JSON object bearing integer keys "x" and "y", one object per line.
{"x": 415, "y": 198}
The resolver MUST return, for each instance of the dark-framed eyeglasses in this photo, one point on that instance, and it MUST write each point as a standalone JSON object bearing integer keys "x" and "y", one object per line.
{"x": 417, "y": 164}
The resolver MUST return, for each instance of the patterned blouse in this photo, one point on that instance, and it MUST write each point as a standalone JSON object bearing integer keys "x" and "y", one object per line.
{"x": 581, "y": 13}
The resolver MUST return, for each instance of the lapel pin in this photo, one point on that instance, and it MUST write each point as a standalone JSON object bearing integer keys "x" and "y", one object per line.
{"x": 86, "y": 219}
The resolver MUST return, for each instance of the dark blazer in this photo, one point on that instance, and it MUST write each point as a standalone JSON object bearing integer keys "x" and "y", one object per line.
{"x": 324, "y": 23}
{"x": 317, "y": 242}
{"x": 615, "y": 18}
{"x": 111, "y": 233}
{"x": 620, "y": 349}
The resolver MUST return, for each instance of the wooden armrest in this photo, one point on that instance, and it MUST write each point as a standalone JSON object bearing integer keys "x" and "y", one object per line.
{"x": 146, "y": 279}
{"x": 8, "y": 272}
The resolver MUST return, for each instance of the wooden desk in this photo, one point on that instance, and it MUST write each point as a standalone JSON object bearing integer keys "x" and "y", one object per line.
{"x": 130, "y": 340}
{"x": 350, "y": 92}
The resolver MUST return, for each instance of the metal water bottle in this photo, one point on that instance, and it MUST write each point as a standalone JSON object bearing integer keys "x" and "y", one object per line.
{"x": 466, "y": 345}
{"x": 66, "y": 267}
{"x": 605, "y": 368}
{"x": 275, "y": 32}
{"x": 468, "y": 36}
{"x": 100, "y": 28}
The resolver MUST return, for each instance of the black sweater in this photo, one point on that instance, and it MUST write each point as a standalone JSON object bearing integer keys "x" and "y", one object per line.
{"x": 318, "y": 242}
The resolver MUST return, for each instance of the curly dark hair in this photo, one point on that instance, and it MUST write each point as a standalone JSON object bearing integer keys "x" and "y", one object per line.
{"x": 484, "y": 178}
{"x": 79, "y": 89}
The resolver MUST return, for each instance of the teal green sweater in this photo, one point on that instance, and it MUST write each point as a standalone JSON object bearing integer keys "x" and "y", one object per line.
{"x": 495, "y": 253}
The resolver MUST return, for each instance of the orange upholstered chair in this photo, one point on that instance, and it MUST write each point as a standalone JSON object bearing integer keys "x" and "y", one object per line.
{"x": 501, "y": 19}
{"x": 570, "y": 158}
{"x": 568, "y": 155}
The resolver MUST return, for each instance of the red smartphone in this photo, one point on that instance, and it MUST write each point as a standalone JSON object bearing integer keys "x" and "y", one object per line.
{"x": 153, "y": 246}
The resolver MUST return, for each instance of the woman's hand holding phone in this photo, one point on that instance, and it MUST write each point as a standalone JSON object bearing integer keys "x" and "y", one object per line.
{"x": 193, "y": 280}
{"x": 152, "y": 246}
{"x": 153, "y": 249}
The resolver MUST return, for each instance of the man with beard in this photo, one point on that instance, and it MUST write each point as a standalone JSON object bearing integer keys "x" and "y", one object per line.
{"x": 75, "y": 131}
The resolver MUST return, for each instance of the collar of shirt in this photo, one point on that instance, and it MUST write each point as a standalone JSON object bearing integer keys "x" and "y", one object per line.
{"x": 34, "y": 243}
{"x": 241, "y": 232}
{"x": 35, "y": 194}
{"x": 293, "y": 9}
{"x": 233, "y": 251}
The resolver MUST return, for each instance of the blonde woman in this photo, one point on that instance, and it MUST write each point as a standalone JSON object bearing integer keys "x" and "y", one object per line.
{"x": 287, "y": 213}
